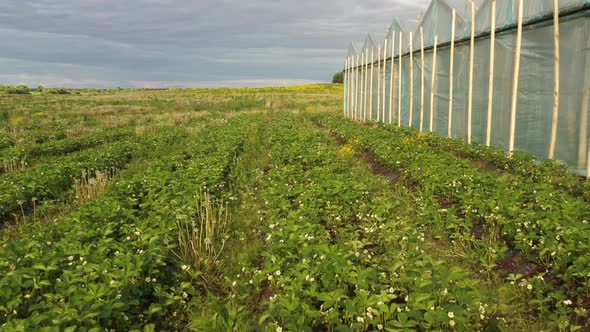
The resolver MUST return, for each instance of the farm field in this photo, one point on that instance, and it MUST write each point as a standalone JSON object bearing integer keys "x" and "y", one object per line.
{"x": 267, "y": 210}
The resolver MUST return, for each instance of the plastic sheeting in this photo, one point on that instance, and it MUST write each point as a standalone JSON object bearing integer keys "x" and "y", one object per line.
{"x": 437, "y": 20}
{"x": 507, "y": 11}
{"x": 536, "y": 79}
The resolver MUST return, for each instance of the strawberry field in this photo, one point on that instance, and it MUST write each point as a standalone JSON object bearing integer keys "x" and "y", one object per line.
{"x": 267, "y": 210}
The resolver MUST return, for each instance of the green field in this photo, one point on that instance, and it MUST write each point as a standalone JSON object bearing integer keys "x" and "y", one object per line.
{"x": 267, "y": 210}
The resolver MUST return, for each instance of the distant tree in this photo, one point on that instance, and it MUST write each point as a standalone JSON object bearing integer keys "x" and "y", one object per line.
{"x": 40, "y": 88}
{"x": 338, "y": 77}
{"x": 16, "y": 90}
{"x": 57, "y": 91}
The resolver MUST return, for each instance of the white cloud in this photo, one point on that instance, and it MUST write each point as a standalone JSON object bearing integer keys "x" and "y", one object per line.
{"x": 54, "y": 81}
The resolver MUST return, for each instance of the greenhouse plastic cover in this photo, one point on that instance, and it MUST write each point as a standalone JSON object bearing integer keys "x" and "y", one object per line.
{"x": 536, "y": 79}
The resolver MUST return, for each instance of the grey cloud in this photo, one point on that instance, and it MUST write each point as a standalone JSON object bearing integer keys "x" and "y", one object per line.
{"x": 188, "y": 41}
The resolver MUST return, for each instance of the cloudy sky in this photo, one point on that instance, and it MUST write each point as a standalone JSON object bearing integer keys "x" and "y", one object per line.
{"x": 186, "y": 43}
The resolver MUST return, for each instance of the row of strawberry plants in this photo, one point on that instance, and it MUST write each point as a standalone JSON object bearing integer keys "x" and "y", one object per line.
{"x": 63, "y": 146}
{"x": 111, "y": 264}
{"x": 39, "y": 128}
{"x": 341, "y": 251}
{"x": 6, "y": 142}
{"x": 22, "y": 191}
{"x": 44, "y": 130}
{"x": 525, "y": 165}
{"x": 549, "y": 225}
{"x": 29, "y": 137}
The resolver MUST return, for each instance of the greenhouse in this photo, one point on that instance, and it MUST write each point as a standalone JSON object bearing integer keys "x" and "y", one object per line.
{"x": 513, "y": 74}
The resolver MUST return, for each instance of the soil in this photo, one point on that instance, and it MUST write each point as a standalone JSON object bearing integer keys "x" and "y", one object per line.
{"x": 379, "y": 168}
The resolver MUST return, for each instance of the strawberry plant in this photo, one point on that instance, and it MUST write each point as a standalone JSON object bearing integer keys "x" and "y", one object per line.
{"x": 264, "y": 210}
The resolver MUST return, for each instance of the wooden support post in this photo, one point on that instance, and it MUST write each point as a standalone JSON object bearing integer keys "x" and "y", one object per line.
{"x": 358, "y": 90}
{"x": 399, "y": 95}
{"x": 491, "y": 76}
{"x": 556, "y": 80}
{"x": 379, "y": 84}
{"x": 345, "y": 81}
{"x": 384, "y": 83}
{"x": 361, "y": 115}
{"x": 354, "y": 77}
{"x": 433, "y": 84}
{"x": 352, "y": 96}
{"x": 515, "y": 78}
{"x": 584, "y": 144}
{"x": 351, "y": 86}
{"x": 391, "y": 77}
{"x": 365, "y": 106}
{"x": 422, "y": 76}
{"x": 363, "y": 88}
{"x": 356, "y": 87}
{"x": 451, "y": 73}
{"x": 344, "y": 78}
{"x": 366, "y": 114}
{"x": 585, "y": 113}
{"x": 471, "y": 63}
{"x": 370, "y": 114}
{"x": 350, "y": 89}
{"x": 411, "y": 81}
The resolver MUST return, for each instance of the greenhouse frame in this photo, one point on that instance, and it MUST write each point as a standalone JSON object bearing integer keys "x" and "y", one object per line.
{"x": 513, "y": 74}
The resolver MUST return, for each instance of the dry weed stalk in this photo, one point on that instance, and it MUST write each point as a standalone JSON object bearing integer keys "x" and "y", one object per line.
{"x": 78, "y": 131}
{"x": 90, "y": 184}
{"x": 146, "y": 129}
{"x": 14, "y": 165}
{"x": 201, "y": 239}
{"x": 193, "y": 130}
